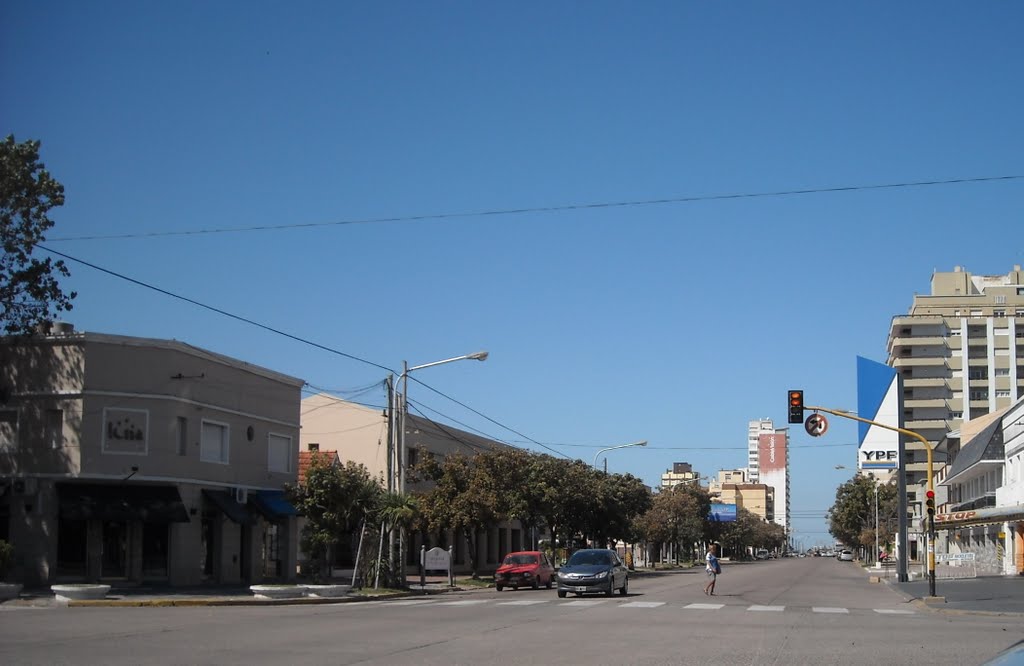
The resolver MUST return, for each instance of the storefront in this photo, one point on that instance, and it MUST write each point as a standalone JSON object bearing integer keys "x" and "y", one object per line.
{"x": 994, "y": 534}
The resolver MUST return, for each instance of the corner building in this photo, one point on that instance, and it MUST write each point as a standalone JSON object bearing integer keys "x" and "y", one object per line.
{"x": 960, "y": 355}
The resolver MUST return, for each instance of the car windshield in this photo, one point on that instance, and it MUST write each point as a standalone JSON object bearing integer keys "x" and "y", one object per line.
{"x": 520, "y": 559}
{"x": 590, "y": 557}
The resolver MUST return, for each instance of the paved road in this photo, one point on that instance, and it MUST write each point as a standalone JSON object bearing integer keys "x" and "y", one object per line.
{"x": 800, "y": 611}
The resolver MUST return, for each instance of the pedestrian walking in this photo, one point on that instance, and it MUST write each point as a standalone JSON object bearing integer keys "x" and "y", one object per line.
{"x": 713, "y": 568}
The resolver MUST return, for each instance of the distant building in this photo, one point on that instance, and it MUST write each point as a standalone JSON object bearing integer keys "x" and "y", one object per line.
{"x": 754, "y": 431}
{"x": 681, "y": 472}
{"x": 757, "y": 498}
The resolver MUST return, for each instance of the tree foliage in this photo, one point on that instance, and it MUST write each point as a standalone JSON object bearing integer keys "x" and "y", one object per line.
{"x": 852, "y": 517}
{"x": 335, "y": 499}
{"x": 677, "y": 517}
{"x": 29, "y": 290}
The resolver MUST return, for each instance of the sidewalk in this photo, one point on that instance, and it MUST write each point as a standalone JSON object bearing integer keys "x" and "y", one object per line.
{"x": 984, "y": 594}
{"x": 208, "y": 596}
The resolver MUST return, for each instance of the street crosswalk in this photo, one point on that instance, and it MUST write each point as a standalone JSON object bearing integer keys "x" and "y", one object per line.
{"x": 635, "y": 605}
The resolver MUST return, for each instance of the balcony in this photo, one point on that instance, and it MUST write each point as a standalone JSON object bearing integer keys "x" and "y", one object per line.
{"x": 924, "y": 382}
{"x": 988, "y": 500}
{"x": 917, "y": 361}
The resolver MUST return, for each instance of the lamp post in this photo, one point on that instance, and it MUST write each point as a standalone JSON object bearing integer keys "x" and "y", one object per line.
{"x": 878, "y": 559}
{"x": 398, "y": 455}
{"x": 612, "y": 448}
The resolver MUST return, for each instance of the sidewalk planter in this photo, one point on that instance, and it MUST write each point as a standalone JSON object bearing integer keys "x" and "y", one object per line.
{"x": 79, "y": 592}
{"x": 9, "y": 591}
{"x": 327, "y": 591}
{"x": 278, "y": 591}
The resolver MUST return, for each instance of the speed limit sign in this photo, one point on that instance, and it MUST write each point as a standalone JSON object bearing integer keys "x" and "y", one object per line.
{"x": 816, "y": 425}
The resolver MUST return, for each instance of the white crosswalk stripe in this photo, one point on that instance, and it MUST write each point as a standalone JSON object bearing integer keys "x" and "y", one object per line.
{"x": 524, "y": 602}
{"x": 643, "y": 604}
{"x": 583, "y": 604}
{"x": 827, "y": 609}
{"x": 465, "y": 602}
{"x": 703, "y": 606}
{"x": 894, "y": 611}
{"x": 769, "y": 609}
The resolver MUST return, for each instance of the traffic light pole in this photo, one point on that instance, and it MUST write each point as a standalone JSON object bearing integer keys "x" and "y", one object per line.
{"x": 931, "y": 482}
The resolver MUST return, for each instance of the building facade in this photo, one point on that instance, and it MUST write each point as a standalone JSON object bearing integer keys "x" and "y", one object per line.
{"x": 361, "y": 434}
{"x": 754, "y": 431}
{"x": 960, "y": 355}
{"x": 134, "y": 460}
{"x": 681, "y": 472}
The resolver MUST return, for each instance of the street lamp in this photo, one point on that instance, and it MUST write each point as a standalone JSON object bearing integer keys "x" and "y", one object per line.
{"x": 878, "y": 559}
{"x": 403, "y": 410}
{"x": 612, "y": 448}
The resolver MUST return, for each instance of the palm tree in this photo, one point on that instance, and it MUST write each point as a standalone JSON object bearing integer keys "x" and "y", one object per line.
{"x": 397, "y": 511}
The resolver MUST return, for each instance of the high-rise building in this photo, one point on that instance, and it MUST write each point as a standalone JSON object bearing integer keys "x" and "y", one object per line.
{"x": 768, "y": 463}
{"x": 754, "y": 431}
{"x": 681, "y": 472}
{"x": 960, "y": 355}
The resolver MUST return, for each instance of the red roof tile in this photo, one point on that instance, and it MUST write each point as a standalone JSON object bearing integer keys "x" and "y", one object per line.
{"x": 306, "y": 458}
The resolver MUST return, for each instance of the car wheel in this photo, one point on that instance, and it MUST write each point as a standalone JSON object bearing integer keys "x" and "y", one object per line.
{"x": 561, "y": 594}
{"x": 536, "y": 583}
{"x": 625, "y": 586}
{"x": 611, "y": 586}
{"x": 549, "y": 584}
{"x": 500, "y": 587}
{"x": 515, "y": 588}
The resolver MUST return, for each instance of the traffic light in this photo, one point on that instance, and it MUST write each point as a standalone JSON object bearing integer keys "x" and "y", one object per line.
{"x": 929, "y": 502}
{"x": 796, "y": 406}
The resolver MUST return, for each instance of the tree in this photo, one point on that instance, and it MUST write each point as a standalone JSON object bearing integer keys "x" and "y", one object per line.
{"x": 334, "y": 500}
{"x": 678, "y": 516}
{"x": 29, "y": 290}
{"x": 852, "y": 516}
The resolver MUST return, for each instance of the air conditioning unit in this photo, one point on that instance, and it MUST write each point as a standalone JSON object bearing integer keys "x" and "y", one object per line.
{"x": 25, "y": 487}
{"x": 241, "y": 495}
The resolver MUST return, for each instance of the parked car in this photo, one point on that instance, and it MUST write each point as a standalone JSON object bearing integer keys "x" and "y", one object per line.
{"x": 845, "y": 556}
{"x": 593, "y": 570}
{"x": 529, "y": 568}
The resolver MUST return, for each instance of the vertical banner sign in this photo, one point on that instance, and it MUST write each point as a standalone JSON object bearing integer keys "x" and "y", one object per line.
{"x": 772, "y": 466}
{"x": 878, "y": 400}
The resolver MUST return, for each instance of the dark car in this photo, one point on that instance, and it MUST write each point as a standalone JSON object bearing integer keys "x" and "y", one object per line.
{"x": 593, "y": 570}
{"x": 528, "y": 568}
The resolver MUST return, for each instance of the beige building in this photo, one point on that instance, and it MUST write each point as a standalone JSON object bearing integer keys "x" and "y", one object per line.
{"x": 132, "y": 460}
{"x": 681, "y": 472}
{"x": 960, "y": 355}
{"x": 731, "y": 487}
{"x": 360, "y": 434}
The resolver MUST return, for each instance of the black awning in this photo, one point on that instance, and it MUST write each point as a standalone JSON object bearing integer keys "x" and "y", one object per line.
{"x": 224, "y": 501}
{"x": 121, "y": 502}
{"x": 272, "y": 504}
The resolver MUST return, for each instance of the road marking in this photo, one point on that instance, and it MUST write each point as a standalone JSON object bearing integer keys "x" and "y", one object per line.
{"x": 467, "y": 602}
{"x": 643, "y": 604}
{"x": 894, "y": 611}
{"x": 757, "y": 608}
{"x": 825, "y": 609}
{"x": 582, "y": 603}
{"x": 703, "y": 606}
{"x": 407, "y": 602}
{"x": 524, "y": 602}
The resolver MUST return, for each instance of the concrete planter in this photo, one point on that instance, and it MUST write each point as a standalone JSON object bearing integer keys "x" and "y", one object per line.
{"x": 79, "y": 591}
{"x": 9, "y": 591}
{"x": 327, "y": 591}
{"x": 278, "y": 591}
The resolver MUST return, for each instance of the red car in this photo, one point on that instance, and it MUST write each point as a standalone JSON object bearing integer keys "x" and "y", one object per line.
{"x": 529, "y": 568}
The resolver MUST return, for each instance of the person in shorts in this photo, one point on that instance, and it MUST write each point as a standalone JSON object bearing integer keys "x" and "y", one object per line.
{"x": 712, "y": 568}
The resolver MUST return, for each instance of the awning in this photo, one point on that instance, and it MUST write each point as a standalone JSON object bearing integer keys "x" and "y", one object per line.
{"x": 272, "y": 504}
{"x": 121, "y": 502}
{"x": 986, "y": 516}
{"x": 224, "y": 501}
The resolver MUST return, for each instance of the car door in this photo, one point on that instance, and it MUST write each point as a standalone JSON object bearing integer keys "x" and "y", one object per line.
{"x": 619, "y": 572}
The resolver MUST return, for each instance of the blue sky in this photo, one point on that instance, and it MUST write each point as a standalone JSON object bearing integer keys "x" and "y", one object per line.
{"x": 676, "y": 323}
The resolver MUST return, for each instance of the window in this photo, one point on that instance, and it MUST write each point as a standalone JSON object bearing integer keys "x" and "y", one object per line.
{"x": 1000, "y": 299}
{"x": 1002, "y": 372}
{"x": 214, "y": 444}
{"x": 979, "y": 395}
{"x": 8, "y": 429}
{"x": 999, "y": 313}
{"x": 54, "y": 428}
{"x": 956, "y": 415}
{"x": 955, "y": 333}
{"x": 412, "y": 457}
{"x": 1003, "y": 393}
{"x": 182, "y": 436}
{"x": 279, "y": 453}
{"x": 975, "y": 313}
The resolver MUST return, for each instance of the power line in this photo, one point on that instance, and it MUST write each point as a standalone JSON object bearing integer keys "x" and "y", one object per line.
{"x": 545, "y": 209}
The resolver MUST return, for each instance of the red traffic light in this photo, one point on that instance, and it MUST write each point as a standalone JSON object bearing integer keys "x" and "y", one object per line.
{"x": 796, "y": 406}
{"x": 930, "y": 494}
